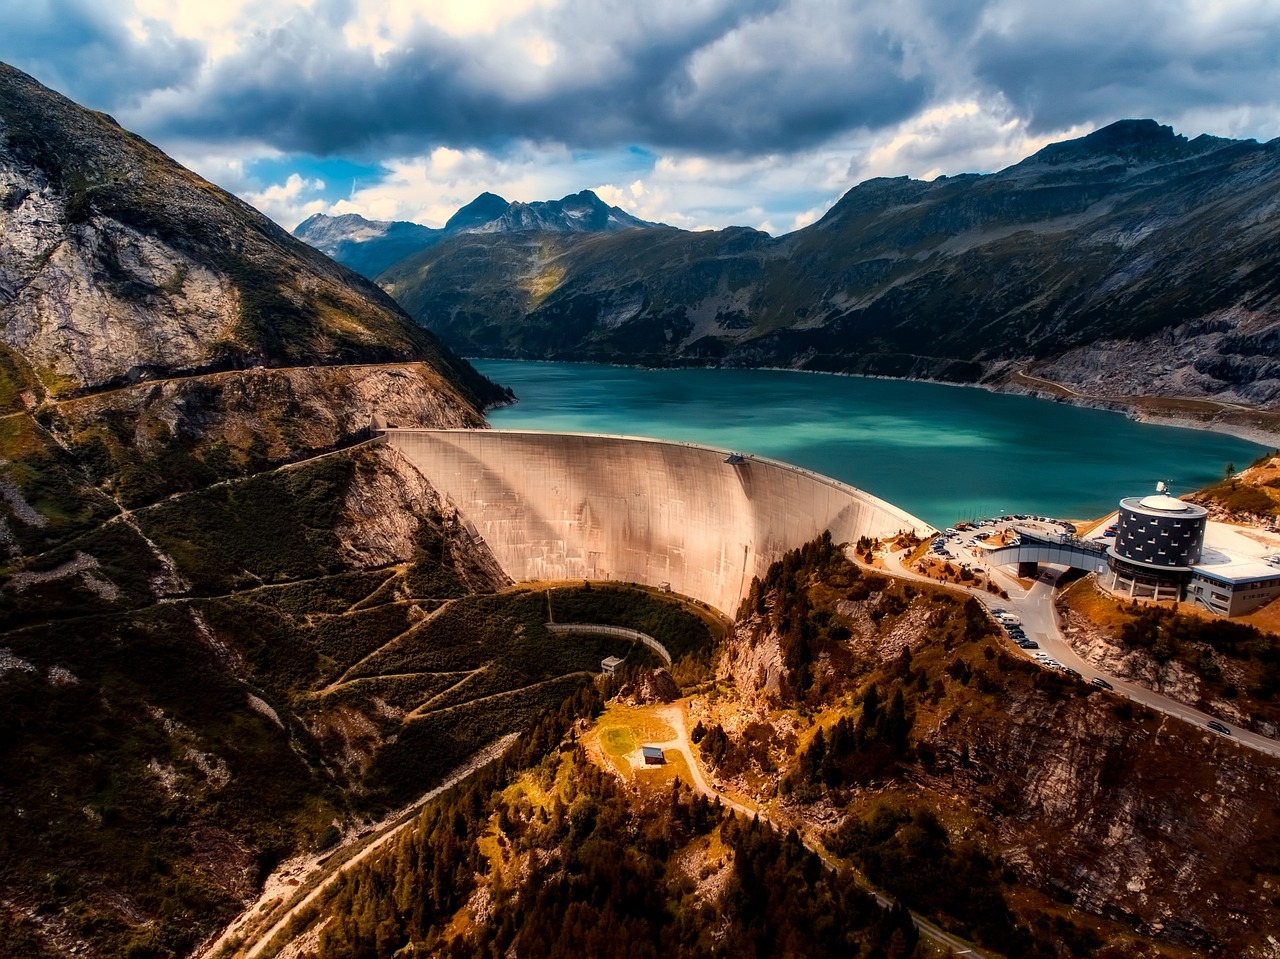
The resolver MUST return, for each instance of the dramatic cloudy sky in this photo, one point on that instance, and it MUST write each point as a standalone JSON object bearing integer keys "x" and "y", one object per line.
{"x": 694, "y": 112}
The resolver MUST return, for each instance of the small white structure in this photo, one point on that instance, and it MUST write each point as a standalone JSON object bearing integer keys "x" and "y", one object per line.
{"x": 609, "y": 665}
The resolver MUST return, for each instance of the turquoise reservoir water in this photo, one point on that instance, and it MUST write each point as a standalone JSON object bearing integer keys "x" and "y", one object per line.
{"x": 944, "y": 453}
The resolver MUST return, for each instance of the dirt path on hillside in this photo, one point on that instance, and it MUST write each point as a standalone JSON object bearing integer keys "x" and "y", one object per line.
{"x": 675, "y": 716}
{"x": 327, "y": 867}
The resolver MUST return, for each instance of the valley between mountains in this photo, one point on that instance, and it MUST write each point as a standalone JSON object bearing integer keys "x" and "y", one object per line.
{"x": 1132, "y": 268}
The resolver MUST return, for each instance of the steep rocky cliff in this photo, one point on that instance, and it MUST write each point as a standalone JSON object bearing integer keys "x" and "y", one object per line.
{"x": 1131, "y": 260}
{"x": 116, "y": 264}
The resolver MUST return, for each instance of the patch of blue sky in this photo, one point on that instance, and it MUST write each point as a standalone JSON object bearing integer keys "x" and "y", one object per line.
{"x": 592, "y": 167}
{"x": 341, "y": 177}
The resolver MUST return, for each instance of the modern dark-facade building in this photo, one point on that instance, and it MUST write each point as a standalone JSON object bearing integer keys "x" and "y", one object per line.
{"x": 1159, "y": 540}
{"x": 1160, "y": 553}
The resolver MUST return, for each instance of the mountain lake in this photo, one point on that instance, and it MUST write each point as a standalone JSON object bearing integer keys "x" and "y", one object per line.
{"x": 944, "y": 453}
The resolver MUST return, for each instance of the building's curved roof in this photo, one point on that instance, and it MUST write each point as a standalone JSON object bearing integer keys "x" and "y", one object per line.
{"x": 1164, "y": 503}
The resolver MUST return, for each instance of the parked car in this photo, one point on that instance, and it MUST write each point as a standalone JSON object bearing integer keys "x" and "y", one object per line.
{"x": 1102, "y": 683}
{"x": 1218, "y": 727}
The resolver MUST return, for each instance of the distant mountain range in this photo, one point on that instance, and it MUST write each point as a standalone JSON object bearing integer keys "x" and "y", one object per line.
{"x": 371, "y": 246}
{"x": 1132, "y": 260}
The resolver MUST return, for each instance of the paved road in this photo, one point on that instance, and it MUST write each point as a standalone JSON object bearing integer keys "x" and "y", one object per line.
{"x": 1040, "y": 622}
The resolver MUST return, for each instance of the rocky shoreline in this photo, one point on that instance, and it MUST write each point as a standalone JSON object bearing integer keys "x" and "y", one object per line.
{"x": 1214, "y": 424}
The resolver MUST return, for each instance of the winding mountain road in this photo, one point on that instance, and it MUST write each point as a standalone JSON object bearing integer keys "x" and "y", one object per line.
{"x": 1035, "y": 608}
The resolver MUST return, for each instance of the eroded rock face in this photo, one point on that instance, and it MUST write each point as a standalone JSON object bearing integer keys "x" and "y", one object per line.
{"x": 291, "y": 409}
{"x": 1230, "y": 356}
{"x": 1153, "y": 823}
{"x": 117, "y": 264}
{"x": 88, "y": 302}
{"x": 382, "y": 513}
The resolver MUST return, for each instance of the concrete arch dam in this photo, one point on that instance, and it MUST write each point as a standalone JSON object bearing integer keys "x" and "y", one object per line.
{"x": 702, "y": 521}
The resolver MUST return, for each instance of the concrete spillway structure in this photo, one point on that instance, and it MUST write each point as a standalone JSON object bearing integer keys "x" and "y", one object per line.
{"x": 560, "y": 506}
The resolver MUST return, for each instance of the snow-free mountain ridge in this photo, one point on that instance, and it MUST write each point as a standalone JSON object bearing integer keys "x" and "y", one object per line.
{"x": 371, "y": 246}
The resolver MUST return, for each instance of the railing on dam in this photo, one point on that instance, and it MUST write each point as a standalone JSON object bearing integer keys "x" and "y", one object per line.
{"x": 594, "y": 629}
{"x": 575, "y": 506}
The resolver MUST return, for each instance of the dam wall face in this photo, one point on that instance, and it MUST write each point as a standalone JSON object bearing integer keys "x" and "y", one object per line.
{"x": 561, "y": 506}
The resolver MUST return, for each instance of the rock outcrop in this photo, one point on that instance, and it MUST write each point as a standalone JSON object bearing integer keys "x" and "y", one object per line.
{"x": 116, "y": 264}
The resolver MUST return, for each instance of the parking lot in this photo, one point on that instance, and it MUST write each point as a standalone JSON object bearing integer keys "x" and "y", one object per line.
{"x": 966, "y": 544}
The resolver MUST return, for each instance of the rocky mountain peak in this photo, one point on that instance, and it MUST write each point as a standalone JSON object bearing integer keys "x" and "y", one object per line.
{"x": 319, "y": 225}
{"x": 582, "y": 212}
{"x": 366, "y": 246}
{"x": 485, "y": 208}
{"x": 372, "y": 247}
{"x": 1133, "y": 141}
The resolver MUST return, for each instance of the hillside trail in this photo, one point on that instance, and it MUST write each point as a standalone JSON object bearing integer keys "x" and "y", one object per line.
{"x": 674, "y": 715}
{"x": 1052, "y": 385}
{"x": 421, "y": 712}
{"x": 346, "y": 676}
{"x": 321, "y": 871}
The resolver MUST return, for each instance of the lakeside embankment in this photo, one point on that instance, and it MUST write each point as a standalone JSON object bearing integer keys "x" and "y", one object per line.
{"x": 1249, "y": 423}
